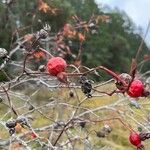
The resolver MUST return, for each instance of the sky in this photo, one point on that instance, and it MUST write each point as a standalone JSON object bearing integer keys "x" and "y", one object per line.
{"x": 137, "y": 10}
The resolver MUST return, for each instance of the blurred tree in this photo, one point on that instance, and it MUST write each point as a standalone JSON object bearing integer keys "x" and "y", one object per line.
{"x": 113, "y": 46}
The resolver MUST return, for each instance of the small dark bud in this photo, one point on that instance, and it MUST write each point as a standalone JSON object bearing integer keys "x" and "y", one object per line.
{"x": 86, "y": 86}
{"x": 11, "y": 131}
{"x": 21, "y": 46}
{"x": 71, "y": 94}
{"x": 23, "y": 121}
{"x": 107, "y": 129}
{"x": 11, "y": 124}
{"x": 100, "y": 134}
{"x": 82, "y": 124}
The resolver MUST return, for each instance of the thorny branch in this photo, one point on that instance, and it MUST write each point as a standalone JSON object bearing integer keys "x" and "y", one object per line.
{"x": 20, "y": 95}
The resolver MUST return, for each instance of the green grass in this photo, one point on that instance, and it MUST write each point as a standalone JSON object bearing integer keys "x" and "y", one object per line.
{"x": 116, "y": 140}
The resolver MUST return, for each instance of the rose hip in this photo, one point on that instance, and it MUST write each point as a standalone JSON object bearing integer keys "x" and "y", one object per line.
{"x": 136, "y": 89}
{"x": 135, "y": 139}
{"x": 56, "y": 65}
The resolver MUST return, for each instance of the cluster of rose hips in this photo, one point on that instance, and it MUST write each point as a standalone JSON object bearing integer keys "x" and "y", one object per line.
{"x": 56, "y": 67}
{"x": 11, "y": 126}
{"x": 134, "y": 88}
{"x": 13, "y": 123}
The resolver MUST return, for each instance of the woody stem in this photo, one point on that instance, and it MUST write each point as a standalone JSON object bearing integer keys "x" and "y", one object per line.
{"x": 110, "y": 72}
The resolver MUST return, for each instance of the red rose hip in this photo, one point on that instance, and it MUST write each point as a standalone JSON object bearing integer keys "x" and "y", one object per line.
{"x": 135, "y": 139}
{"x": 56, "y": 65}
{"x": 136, "y": 89}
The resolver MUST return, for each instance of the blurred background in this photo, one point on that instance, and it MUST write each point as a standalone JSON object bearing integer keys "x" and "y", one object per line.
{"x": 114, "y": 44}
